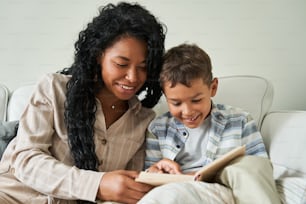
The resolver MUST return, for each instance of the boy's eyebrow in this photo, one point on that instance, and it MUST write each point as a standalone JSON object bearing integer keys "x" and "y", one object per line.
{"x": 196, "y": 95}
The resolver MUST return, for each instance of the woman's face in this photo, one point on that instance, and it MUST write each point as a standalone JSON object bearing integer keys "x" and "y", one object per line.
{"x": 123, "y": 67}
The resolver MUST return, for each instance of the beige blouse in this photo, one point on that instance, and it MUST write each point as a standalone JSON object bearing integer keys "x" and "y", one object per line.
{"x": 40, "y": 157}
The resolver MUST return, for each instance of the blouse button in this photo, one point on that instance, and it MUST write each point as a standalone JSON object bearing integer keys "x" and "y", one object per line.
{"x": 185, "y": 134}
{"x": 104, "y": 141}
{"x": 178, "y": 146}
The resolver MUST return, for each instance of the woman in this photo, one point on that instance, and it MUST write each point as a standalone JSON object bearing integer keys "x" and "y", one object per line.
{"x": 83, "y": 126}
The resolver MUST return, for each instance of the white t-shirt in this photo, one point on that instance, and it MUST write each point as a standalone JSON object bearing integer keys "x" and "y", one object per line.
{"x": 193, "y": 155}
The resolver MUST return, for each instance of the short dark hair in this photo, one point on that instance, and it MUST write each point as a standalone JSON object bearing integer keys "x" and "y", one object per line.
{"x": 184, "y": 63}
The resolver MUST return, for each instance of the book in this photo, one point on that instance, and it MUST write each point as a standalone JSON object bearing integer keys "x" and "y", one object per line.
{"x": 206, "y": 173}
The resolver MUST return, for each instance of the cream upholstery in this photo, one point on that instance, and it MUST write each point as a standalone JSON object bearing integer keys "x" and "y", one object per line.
{"x": 251, "y": 93}
{"x": 18, "y": 100}
{"x": 284, "y": 134}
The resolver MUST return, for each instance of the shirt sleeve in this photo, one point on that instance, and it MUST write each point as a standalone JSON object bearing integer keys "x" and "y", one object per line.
{"x": 38, "y": 149}
{"x": 153, "y": 151}
{"x": 252, "y": 138}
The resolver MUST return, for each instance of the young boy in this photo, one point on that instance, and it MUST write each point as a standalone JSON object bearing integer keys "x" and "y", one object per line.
{"x": 197, "y": 131}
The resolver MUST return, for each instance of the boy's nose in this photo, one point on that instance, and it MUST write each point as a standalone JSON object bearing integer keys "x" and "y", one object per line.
{"x": 186, "y": 109}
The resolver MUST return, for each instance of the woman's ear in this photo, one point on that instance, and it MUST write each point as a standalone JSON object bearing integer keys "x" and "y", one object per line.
{"x": 213, "y": 87}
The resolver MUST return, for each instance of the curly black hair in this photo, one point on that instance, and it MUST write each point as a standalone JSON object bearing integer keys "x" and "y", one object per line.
{"x": 112, "y": 23}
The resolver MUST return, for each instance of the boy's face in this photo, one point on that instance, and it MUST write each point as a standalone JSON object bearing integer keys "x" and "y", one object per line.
{"x": 190, "y": 105}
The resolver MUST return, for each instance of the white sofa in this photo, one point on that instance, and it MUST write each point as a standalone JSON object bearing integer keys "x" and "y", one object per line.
{"x": 284, "y": 132}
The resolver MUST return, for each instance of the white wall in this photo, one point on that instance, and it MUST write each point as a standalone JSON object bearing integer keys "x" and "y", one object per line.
{"x": 255, "y": 37}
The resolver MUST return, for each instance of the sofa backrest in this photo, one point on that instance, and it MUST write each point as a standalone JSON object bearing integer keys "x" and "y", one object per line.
{"x": 4, "y": 95}
{"x": 251, "y": 93}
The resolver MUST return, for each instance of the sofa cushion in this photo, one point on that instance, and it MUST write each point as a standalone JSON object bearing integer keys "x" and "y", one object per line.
{"x": 284, "y": 134}
{"x": 292, "y": 190}
{"x": 4, "y": 95}
{"x": 18, "y": 101}
{"x": 8, "y": 131}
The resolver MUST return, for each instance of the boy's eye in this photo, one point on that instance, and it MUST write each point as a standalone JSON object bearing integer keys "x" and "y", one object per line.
{"x": 176, "y": 103}
{"x": 196, "y": 100}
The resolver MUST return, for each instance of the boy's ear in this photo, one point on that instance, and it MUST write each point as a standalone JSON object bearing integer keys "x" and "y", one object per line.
{"x": 213, "y": 87}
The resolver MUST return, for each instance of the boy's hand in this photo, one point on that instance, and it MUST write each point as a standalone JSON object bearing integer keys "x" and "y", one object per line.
{"x": 165, "y": 166}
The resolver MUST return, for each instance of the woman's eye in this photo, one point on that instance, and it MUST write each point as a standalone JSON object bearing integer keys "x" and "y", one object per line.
{"x": 121, "y": 65}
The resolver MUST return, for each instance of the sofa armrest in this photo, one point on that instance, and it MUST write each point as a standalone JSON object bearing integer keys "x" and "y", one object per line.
{"x": 4, "y": 95}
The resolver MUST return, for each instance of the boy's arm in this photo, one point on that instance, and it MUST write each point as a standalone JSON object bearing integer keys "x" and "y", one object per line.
{"x": 153, "y": 151}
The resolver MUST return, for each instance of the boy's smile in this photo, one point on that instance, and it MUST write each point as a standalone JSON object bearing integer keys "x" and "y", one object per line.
{"x": 190, "y": 105}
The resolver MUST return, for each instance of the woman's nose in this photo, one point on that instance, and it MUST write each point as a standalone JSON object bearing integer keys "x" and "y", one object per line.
{"x": 131, "y": 75}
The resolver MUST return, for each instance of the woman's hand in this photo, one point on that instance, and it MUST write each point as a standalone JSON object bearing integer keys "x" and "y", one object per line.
{"x": 165, "y": 166}
{"x": 120, "y": 186}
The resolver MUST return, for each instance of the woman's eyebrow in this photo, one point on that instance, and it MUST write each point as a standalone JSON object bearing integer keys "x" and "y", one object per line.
{"x": 123, "y": 58}
{"x": 127, "y": 59}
